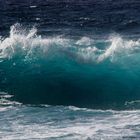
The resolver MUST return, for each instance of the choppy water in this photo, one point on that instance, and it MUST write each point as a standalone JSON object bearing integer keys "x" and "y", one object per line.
{"x": 69, "y": 69}
{"x": 66, "y": 123}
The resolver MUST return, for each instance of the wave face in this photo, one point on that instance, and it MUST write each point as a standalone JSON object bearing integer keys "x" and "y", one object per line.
{"x": 84, "y": 72}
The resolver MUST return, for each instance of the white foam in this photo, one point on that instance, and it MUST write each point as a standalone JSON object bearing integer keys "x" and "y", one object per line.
{"x": 33, "y": 6}
{"x": 37, "y": 18}
{"x": 85, "y": 41}
{"x": 116, "y": 47}
{"x": 69, "y": 123}
{"x": 89, "y": 53}
{"x": 119, "y": 46}
{"x": 26, "y": 41}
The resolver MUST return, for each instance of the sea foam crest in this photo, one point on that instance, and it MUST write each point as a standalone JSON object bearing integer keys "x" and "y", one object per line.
{"x": 119, "y": 46}
{"x": 26, "y": 41}
{"x": 23, "y": 41}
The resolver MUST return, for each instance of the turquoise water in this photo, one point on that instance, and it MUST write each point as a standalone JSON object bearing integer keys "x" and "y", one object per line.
{"x": 84, "y": 72}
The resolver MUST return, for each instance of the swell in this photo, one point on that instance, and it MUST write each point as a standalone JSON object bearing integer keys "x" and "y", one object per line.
{"x": 85, "y": 72}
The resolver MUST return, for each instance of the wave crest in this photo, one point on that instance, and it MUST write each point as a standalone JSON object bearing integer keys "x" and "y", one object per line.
{"x": 26, "y": 42}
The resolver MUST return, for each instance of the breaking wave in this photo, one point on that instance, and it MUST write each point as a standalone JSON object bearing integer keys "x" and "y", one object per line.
{"x": 27, "y": 42}
{"x": 87, "y": 72}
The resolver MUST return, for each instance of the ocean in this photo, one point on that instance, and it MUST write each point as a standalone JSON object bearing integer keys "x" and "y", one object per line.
{"x": 69, "y": 70}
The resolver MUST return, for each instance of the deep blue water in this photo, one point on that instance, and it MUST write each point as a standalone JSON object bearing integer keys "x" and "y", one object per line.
{"x": 69, "y": 69}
